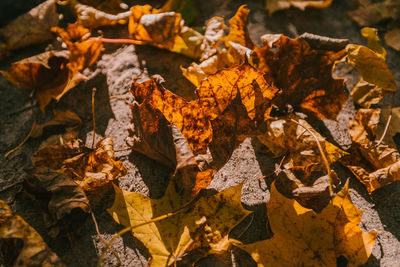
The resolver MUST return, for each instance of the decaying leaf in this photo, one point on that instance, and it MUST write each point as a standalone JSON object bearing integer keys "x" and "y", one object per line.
{"x": 370, "y": 13}
{"x": 392, "y": 38}
{"x": 274, "y": 5}
{"x": 376, "y": 79}
{"x": 304, "y": 176}
{"x": 67, "y": 203}
{"x": 30, "y": 28}
{"x": 89, "y": 168}
{"x": 202, "y": 227}
{"x": 374, "y": 164}
{"x": 167, "y": 30}
{"x": 34, "y": 251}
{"x": 303, "y": 237}
{"x": 47, "y": 74}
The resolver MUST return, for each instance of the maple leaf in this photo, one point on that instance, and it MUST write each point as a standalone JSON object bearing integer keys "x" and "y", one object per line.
{"x": 89, "y": 168}
{"x": 67, "y": 204}
{"x": 376, "y": 79}
{"x": 274, "y": 5}
{"x": 303, "y": 237}
{"x": 202, "y": 227}
{"x": 34, "y": 251}
{"x": 30, "y": 28}
{"x": 375, "y": 164}
{"x": 47, "y": 74}
{"x": 167, "y": 30}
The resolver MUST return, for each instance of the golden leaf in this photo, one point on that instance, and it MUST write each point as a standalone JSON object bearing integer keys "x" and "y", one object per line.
{"x": 209, "y": 219}
{"x": 34, "y": 251}
{"x": 303, "y": 237}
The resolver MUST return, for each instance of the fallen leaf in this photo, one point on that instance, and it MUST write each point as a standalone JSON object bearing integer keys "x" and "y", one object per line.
{"x": 34, "y": 251}
{"x": 67, "y": 204}
{"x": 374, "y": 164}
{"x": 238, "y": 32}
{"x": 232, "y": 104}
{"x": 67, "y": 118}
{"x": 376, "y": 79}
{"x": 89, "y": 168}
{"x": 83, "y": 53}
{"x": 274, "y": 5}
{"x": 369, "y": 13}
{"x": 303, "y": 237}
{"x": 392, "y": 38}
{"x": 30, "y": 28}
{"x": 47, "y": 74}
{"x": 202, "y": 227}
{"x": 166, "y": 30}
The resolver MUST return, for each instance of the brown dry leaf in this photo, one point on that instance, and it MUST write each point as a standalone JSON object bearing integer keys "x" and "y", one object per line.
{"x": 302, "y": 68}
{"x": 67, "y": 204}
{"x": 67, "y": 118}
{"x": 392, "y": 38}
{"x": 369, "y": 13}
{"x": 303, "y": 237}
{"x": 237, "y": 43}
{"x": 202, "y": 227}
{"x": 89, "y": 168}
{"x": 83, "y": 53}
{"x": 30, "y": 28}
{"x": 375, "y": 165}
{"x": 274, "y": 5}
{"x": 233, "y": 103}
{"x": 167, "y": 30}
{"x": 376, "y": 79}
{"x": 34, "y": 251}
{"x": 47, "y": 74}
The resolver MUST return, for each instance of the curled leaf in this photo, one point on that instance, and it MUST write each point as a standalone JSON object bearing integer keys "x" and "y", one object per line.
{"x": 201, "y": 226}
{"x": 304, "y": 237}
{"x": 34, "y": 251}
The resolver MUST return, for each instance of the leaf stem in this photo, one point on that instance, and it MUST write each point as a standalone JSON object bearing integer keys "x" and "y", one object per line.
{"x": 117, "y": 41}
{"x": 93, "y": 117}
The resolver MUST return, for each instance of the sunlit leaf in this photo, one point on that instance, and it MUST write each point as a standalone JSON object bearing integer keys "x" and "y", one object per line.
{"x": 274, "y": 5}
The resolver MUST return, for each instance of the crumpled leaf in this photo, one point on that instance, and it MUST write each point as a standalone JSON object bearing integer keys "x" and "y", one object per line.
{"x": 202, "y": 227}
{"x": 83, "y": 53}
{"x": 30, "y": 28}
{"x": 236, "y": 44}
{"x": 392, "y": 38}
{"x": 34, "y": 251}
{"x": 67, "y": 118}
{"x": 225, "y": 113}
{"x": 376, "y": 79}
{"x": 166, "y": 30}
{"x": 304, "y": 176}
{"x": 368, "y": 13}
{"x": 274, "y": 5}
{"x": 303, "y": 237}
{"x": 67, "y": 204}
{"x": 89, "y": 168}
{"x": 375, "y": 165}
{"x": 47, "y": 74}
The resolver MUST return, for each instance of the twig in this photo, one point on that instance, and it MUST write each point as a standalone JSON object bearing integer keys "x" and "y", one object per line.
{"x": 276, "y": 169}
{"x": 130, "y": 228}
{"x": 30, "y": 132}
{"x": 324, "y": 158}
{"x": 117, "y": 41}
{"x": 94, "y": 121}
{"x": 102, "y": 239}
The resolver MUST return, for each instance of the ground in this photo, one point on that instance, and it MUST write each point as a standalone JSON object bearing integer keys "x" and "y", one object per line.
{"x": 112, "y": 77}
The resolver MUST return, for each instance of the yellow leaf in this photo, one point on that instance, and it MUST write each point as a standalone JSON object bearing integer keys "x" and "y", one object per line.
{"x": 204, "y": 225}
{"x": 275, "y": 5}
{"x": 303, "y": 237}
{"x": 34, "y": 251}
